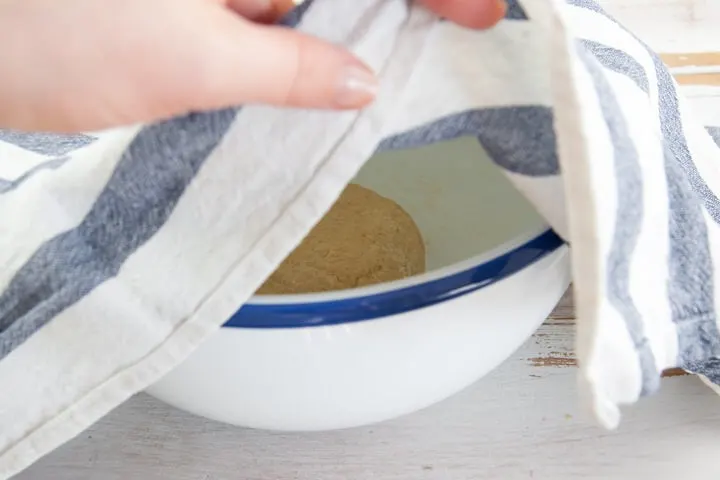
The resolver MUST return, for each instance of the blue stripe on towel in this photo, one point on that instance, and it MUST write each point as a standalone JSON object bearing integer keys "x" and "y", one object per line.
{"x": 691, "y": 282}
{"x": 143, "y": 190}
{"x": 618, "y": 61}
{"x": 50, "y": 144}
{"x": 515, "y": 11}
{"x": 520, "y": 139}
{"x": 715, "y": 134}
{"x": 147, "y": 183}
{"x": 691, "y": 278}
{"x": 670, "y": 118}
{"x": 9, "y": 185}
{"x": 628, "y": 220}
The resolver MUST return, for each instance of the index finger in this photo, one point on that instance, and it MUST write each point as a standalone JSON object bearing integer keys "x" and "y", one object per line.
{"x": 469, "y": 13}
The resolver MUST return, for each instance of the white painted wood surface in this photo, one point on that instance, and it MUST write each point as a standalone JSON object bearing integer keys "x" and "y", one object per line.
{"x": 671, "y": 25}
{"x": 520, "y": 422}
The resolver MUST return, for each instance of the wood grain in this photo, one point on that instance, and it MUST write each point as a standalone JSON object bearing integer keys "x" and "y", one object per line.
{"x": 564, "y": 316}
{"x": 684, "y": 31}
{"x": 698, "y": 79}
{"x": 521, "y": 422}
{"x": 565, "y": 309}
{"x": 671, "y": 26}
{"x": 691, "y": 59}
{"x": 694, "y": 68}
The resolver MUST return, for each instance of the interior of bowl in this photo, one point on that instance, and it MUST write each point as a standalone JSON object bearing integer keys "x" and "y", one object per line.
{"x": 460, "y": 200}
{"x": 473, "y": 222}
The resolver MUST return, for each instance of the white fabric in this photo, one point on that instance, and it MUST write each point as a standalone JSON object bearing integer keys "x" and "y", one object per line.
{"x": 119, "y": 259}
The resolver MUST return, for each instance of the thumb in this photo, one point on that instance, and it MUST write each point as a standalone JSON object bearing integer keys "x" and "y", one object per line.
{"x": 252, "y": 63}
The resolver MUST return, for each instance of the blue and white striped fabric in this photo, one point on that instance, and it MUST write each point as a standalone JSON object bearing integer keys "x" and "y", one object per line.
{"x": 122, "y": 251}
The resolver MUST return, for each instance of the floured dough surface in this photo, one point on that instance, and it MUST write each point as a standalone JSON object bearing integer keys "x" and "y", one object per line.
{"x": 364, "y": 239}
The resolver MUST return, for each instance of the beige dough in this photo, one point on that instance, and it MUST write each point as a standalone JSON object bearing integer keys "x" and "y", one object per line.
{"x": 364, "y": 239}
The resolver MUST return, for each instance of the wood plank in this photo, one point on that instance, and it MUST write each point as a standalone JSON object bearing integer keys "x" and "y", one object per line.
{"x": 698, "y": 79}
{"x": 521, "y": 422}
{"x": 565, "y": 310}
{"x": 691, "y": 59}
{"x": 671, "y": 26}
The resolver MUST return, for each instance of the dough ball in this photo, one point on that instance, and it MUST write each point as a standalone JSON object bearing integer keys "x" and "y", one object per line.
{"x": 364, "y": 239}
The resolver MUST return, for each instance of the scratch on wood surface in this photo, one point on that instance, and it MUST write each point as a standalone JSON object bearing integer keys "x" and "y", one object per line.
{"x": 554, "y": 359}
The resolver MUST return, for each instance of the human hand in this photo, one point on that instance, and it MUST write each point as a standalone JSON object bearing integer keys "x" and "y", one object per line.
{"x": 78, "y": 65}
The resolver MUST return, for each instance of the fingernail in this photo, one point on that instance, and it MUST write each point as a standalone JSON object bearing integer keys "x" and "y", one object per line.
{"x": 283, "y": 7}
{"x": 500, "y": 9}
{"x": 495, "y": 11}
{"x": 358, "y": 86}
{"x": 487, "y": 14}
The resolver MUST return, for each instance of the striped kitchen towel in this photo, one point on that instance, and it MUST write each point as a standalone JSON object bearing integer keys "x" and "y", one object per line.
{"x": 122, "y": 251}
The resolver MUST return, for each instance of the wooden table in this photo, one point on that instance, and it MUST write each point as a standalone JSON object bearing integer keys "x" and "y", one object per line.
{"x": 520, "y": 422}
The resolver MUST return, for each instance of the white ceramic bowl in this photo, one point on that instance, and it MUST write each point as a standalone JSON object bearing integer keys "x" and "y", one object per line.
{"x": 354, "y": 357}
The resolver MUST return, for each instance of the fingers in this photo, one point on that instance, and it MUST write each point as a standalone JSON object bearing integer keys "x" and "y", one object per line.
{"x": 253, "y": 63}
{"x": 261, "y": 11}
{"x": 469, "y": 13}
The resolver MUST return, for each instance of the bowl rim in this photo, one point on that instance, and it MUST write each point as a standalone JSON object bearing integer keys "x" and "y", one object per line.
{"x": 390, "y": 298}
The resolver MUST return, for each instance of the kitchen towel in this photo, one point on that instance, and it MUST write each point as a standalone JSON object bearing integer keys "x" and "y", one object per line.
{"x": 121, "y": 251}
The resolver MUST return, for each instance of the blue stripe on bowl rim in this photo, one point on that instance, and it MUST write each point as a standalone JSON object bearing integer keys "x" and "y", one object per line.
{"x": 376, "y": 305}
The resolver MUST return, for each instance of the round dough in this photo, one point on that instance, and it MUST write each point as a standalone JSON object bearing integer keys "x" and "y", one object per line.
{"x": 364, "y": 239}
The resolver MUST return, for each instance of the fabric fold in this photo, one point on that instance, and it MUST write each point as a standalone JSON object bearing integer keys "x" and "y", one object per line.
{"x": 122, "y": 251}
